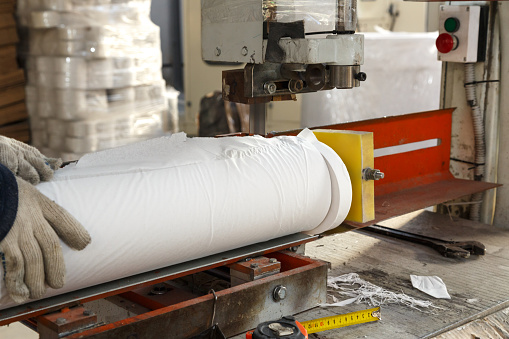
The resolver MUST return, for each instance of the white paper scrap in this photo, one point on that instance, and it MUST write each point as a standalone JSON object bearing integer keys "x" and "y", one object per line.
{"x": 431, "y": 285}
{"x": 362, "y": 291}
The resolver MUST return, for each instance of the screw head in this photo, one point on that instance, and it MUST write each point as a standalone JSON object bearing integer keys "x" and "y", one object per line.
{"x": 60, "y": 321}
{"x": 270, "y": 87}
{"x": 279, "y": 293}
{"x": 218, "y": 51}
{"x": 361, "y": 76}
{"x": 255, "y": 265}
{"x": 244, "y": 51}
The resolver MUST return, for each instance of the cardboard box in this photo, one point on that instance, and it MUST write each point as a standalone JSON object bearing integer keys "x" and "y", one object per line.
{"x": 8, "y": 61}
{"x": 13, "y": 113}
{"x": 7, "y": 20}
{"x": 14, "y": 78}
{"x": 8, "y": 36}
{"x": 11, "y": 95}
{"x": 19, "y": 131}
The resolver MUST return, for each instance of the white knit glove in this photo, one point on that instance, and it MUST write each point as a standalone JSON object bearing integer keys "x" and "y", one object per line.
{"x": 26, "y": 161}
{"x": 32, "y": 253}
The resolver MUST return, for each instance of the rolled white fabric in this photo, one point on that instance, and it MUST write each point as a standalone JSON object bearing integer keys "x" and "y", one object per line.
{"x": 173, "y": 199}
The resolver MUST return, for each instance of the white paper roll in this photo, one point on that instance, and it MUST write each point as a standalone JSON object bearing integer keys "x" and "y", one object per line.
{"x": 199, "y": 196}
{"x": 55, "y": 126}
{"x": 45, "y": 109}
{"x": 121, "y": 97}
{"x": 31, "y": 93}
{"x": 49, "y": 42}
{"x": 55, "y": 142}
{"x": 45, "y": 79}
{"x": 69, "y": 64}
{"x": 71, "y": 97}
{"x": 44, "y": 64}
{"x": 124, "y": 78}
{"x": 37, "y": 123}
{"x": 142, "y": 94}
{"x": 71, "y": 33}
{"x": 70, "y": 48}
{"x": 45, "y": 19}
{"x": 100, "y": 73}
{"x": 96, "y": 99}
{"x": 122, "y": 63}
{"x": 75, "y": 80}
{"x": 57, "y": 5}
{"x": 39, "y": 138}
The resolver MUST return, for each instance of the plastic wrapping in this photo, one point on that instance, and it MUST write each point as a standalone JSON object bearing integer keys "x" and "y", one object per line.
{"x": 94, "y": 73}
{"x": 317, "y": 15}
{"x": 403, "y": 76}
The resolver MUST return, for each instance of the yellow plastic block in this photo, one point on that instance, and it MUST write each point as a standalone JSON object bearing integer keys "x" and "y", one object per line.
{"x": 356, "y": 151}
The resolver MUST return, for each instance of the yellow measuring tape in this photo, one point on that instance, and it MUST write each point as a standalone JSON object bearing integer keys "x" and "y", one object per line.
{"x": 342, "y": 320}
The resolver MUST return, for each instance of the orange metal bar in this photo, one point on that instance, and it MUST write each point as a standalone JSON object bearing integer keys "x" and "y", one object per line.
{"x": 30, "y": 312}
{"x": 298, "y": 263}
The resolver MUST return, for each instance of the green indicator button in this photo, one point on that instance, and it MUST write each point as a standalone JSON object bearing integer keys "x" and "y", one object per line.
{"x": 451, "y": 25}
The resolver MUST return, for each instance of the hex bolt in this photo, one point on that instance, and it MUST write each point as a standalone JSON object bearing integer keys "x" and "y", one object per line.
{"x": 273, "y": 260}
{"x": 255, "y": 265}
{"x": 372, "y": 174}
{"x": 244, "y": 51}
{"x": 159, "y": 290}
{"x": 279, "y": 293}
{"x": 218, "y": 51}
{"x": 270, "y": 87}
{"x": 87, "y": 313}
{"x": 361, "y": 76}
{"x": 60, "y": 321}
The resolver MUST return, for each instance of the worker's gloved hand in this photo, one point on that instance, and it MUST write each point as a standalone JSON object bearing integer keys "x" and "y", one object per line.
{"x": 31, "y": 251}
{"x": 26, "y": 161}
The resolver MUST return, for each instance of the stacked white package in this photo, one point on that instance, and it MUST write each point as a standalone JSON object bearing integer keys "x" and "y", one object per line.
{"x": 94, "y": 74}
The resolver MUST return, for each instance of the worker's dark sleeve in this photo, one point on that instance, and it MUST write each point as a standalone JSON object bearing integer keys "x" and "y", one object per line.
{"x": 8, "y": 200}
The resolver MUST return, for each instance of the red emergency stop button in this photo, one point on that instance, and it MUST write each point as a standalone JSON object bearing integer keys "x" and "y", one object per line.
{"x": 446, "y": 43}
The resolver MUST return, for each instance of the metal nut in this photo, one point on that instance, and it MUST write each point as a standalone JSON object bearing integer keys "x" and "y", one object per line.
{"x": 244, "y": 51}
{"x": 372, "y": 174}
{"x": 279, "y": 293}
{"x": 159, "y": 290}
{"x": 255, "y": 265}
{"x": 270, "y": 87}
{"x": 60, "y": 321}
{"x": 361, "y": 76}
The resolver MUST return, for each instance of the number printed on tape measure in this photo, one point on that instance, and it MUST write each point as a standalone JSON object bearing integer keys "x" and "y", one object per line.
{"x": 343, "y": 320}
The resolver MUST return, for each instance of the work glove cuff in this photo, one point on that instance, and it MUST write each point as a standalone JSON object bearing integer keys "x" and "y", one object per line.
{"x": 8, "y": 200}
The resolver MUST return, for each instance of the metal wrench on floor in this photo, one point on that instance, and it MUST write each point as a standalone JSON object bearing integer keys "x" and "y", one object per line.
{"x": 450, "y": 249}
